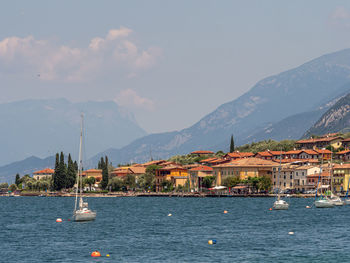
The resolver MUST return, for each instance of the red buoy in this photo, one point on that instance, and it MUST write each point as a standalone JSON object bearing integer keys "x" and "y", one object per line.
{"x": 59, "y": 220}
{"x": 95, "y": 254}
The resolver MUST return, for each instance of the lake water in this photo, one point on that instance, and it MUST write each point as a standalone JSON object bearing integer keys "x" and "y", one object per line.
{"x": 137, "y": 229}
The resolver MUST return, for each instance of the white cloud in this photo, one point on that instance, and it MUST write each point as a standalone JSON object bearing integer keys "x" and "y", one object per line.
{"x": 340, "y": 17}
{"x": 115, "y": 52}
{"x": 130, "y": 99}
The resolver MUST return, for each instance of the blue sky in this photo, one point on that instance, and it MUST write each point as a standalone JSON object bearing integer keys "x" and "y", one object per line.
{"x": 168, "y": 62}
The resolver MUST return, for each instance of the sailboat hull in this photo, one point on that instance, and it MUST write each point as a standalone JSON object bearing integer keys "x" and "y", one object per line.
{"x": 324, "y": 203}
{"x": 280, "y": 205}
{"x": 84, "y": 216}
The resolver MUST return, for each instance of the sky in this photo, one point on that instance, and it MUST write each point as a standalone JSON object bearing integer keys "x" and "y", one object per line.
{"x": 168, "y": 62}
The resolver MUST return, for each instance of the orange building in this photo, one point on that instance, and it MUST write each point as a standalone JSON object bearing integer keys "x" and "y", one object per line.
{"x": 177, "y": 174}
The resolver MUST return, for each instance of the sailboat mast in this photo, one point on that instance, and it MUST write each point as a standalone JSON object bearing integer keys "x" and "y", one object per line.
{"x": 80, "y": 166}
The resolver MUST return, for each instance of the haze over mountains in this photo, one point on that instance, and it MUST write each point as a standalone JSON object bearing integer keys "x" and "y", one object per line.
{"x": 278, "y": 107}
{"x": 44, "y": 127}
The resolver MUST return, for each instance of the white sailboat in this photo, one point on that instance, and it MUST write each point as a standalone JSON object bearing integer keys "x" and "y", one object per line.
{"x": 81, "y": 209}
{"x": 336, "y": 200}
{"x": 322, "y": 201}
{"x": 280, "y": 204}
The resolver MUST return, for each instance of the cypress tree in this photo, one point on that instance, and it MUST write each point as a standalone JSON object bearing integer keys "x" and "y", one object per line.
{"x": 232, "y": 145}
{"x": 62, "y": 172}
{"x": 17, "y": 181}
{"x": 71, "y": 172}
{"x": 56, "y": 175}
{"x": 104, "y": 181}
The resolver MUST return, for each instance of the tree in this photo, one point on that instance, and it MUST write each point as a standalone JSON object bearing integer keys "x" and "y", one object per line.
{"x": 56, "y": 175}
{"x": 116, "y": 184}
{"x": 232, "y": 145}
{"x": 231, "y": 181}
{"x": 17, "y": 180}
{"x": 63, "y": 172}
{"x": 208, "y": 181}
{"x": 71, "y": 173}
{"x": 130, "y": 181}
{"x": 146, "y": 181}
{"x": 167, "y": 186}
{"x": 104, "y": 165}
{"x": 265, "y": 183}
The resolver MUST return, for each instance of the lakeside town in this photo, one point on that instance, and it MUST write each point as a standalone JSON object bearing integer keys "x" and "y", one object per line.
{"x": 318, "y": 162}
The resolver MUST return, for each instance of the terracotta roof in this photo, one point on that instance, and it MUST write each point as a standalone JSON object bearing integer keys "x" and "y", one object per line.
{"x": 294, "y": 152}
{"x": 209, "y": 160}
{"x": 45, "y": 171}
{"x": 277, "y": 152}
{"x": 265, "y": 154}
{"x": 246, "y": 154}
{"x": 202, "y": 168}
{"x": 202, "y": 152}
{"x": 157, "y": 162}
{"x": 310, "y": 152}
{"x": 249, "y": 162}
{"x": 346, "y": 140}
{"x": 342, "y": 166}
{"x": 323, "y": 174}
{"x": 343, "y": 152}
{"x": 172, "y": 167}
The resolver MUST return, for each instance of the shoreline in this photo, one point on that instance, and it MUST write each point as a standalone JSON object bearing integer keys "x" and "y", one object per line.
{"x": 136, "y": 194}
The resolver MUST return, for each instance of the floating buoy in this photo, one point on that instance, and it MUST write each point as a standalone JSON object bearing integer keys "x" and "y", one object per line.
{"x": 169, "y": 214}
{"x": 225, "y": 212}
{"x": 107, "y": 255}
{"x": 95, "y": 254}
{"x": 212, "y": 242}
{"x": 59, "y": 220}
{"x": 290, "y": 233}
{"x": 270, "y": 209}
{"x": 308, "y": 206}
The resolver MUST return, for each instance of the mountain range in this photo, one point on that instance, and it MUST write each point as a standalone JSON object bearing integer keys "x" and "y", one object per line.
{"x": 44, "y": 127}
{"x": 282, "y": 106}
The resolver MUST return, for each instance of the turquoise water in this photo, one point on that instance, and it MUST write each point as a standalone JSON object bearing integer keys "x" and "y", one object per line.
{"x": 137, "y": 229}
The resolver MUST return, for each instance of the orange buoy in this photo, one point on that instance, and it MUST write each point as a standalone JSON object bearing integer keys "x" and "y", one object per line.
{"x": 59, "y": 220}
{"x": 225, "y": 212}
{"x": 95, "y": 254}
{"x": 270, "y": 209}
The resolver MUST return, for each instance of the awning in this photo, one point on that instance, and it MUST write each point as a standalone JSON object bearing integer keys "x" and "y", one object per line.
{"x": 220, "y": 187}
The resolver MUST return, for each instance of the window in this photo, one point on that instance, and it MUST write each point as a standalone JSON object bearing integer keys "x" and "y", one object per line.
{"x": 284, "y": 177}
{"x": 284, "y": 184}
{"x": 290, "y": 184}
{"x": 291, "y": 176}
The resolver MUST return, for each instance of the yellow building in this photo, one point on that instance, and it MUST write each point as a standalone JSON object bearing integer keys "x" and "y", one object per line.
{"x": 244, "y": 168}
{"x": 96, "y": 173}
{"x": 177, "y": 174}
{"x": 341, "y": 175}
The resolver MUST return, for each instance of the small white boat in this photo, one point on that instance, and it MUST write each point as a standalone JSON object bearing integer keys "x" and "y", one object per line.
{"x": 324, "y": 203}
{"x": 280, "y": 205}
